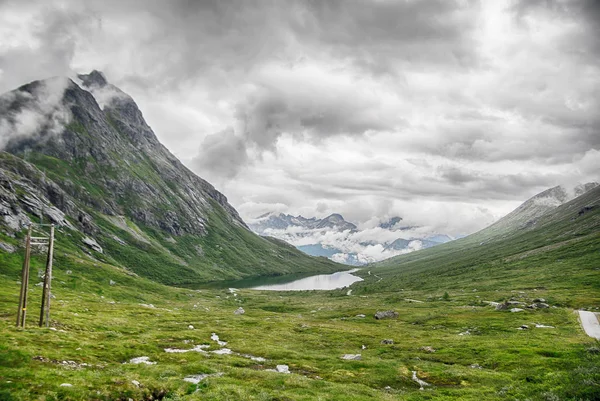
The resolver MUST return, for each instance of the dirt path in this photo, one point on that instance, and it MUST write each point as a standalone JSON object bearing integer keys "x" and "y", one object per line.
{"x": 590, "y": 324}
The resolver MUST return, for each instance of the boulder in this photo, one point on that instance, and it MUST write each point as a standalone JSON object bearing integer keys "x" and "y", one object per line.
{"x": 538, "y": 305}
{"x": 390, "y": 314}
{"x": 91, "y": 243}
{"x": 7, "y": 247}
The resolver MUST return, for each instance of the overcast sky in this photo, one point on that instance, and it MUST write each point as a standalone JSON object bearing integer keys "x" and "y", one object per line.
{"x": 447, "y": 113}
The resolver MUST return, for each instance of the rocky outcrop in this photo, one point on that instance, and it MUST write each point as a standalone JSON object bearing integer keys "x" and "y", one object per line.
{"x": 390, "y": 314}
{"x": 128, "y": 171}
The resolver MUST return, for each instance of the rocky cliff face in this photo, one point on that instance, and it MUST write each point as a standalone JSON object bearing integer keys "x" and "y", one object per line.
{"x": 82, "y": 155}
{"x": 119, "y": 155}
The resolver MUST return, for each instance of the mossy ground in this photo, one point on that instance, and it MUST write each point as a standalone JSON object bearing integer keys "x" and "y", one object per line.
{"x": 106, "y": 325}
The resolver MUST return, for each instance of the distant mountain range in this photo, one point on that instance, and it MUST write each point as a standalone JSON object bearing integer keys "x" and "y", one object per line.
{"x": 340, "y": 240}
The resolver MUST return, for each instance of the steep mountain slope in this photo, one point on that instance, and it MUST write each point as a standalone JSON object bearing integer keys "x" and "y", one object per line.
{"x": 101, "y": 172}
{"x": 559, "y": 251}
{"x": 526, "y": 214}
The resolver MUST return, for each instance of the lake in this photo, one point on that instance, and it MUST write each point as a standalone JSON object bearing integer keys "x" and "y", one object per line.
{"x": 295, "y": 282}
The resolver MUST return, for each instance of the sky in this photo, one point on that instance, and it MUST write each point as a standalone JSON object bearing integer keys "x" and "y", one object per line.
{"x": 446, "y": 113}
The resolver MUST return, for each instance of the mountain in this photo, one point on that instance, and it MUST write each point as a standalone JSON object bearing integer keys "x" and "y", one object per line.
{"x": 528, "y": 213}
{"x": 341, "y": 241}
{"x": 336, "y": 222}
{"x": 268, "y": 222}
{"x": 82, "y": 156}
{"x": 549, "y": 242}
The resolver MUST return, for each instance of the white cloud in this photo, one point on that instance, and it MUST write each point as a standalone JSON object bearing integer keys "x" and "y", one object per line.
{"x": 367, "y": 109}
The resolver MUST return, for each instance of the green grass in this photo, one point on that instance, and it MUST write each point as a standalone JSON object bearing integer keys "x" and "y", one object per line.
{"x": 106, "y": 325}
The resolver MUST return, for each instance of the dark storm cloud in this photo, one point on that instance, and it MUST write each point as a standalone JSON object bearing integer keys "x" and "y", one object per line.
{"x": 377, "y": 35}
{"x": 586, "y": 41}
{"x": 221, "y": 154}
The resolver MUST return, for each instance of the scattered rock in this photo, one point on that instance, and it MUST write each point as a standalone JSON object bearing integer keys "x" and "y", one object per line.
{"x": 147, "y": 305}
{"x": 517, "y": 310}
{"x": 523, "y": 327}
{"x": 7, "y": 247}
{"x": 119, "y": 240}
{"x": 414, "y": 300}
{"x": 543, "y": 326}
{"x": 502, "y": 306}
{"x": 476, "y": 366}
{"x": 427, "y": 348}
{"x": 362, "y": 316}
{"x": 222, "y": 351}
{"x": 254, "y": 358}
{"x": 349, "y": 292}
{"x": 69, "y": 272}
{"x": 91, "y": 243}
{"x": 195, "y": 379}
{"x": 239, "y": 311}
{"x": 135, "y": 383}
{"x": 112, "y": 282}
{"x": 390, "y": 314}
{"x": 538, "y": 305}
{"x": 421, "y": 383}
{"x": 141, "y": 359}
{"x": 539, "y": 300}
{"x": 283, "y": 368}
{"x": 387, "y": 341}
{"x": 351, "y": 357}
{"x": 465, "y": 333}
{"x": 363, "y": 347}
{"x": 215, "y": 337}
{"x": 66, "y": 385}
{"x": 197, "y": 348}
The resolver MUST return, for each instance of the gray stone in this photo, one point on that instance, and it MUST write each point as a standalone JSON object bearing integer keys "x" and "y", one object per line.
{"x": 351, "y": 357}
{"x": 91, "y": 243}
{"x": 7, "y": 247}
{"x": 387, "y": 341}
{"x": 239, "y": 311}
{"x": 390, "y": 314}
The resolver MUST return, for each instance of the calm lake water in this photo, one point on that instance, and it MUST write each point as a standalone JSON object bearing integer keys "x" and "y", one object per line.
{"x": 319, "y": 282}
{"x": 295, "y": 282}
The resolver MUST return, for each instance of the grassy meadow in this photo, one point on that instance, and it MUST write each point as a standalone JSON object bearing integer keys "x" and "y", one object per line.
{"x": 479, "y": 353}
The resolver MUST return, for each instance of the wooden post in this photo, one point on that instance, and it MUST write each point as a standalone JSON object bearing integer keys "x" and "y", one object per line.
{"x": 22, "y": 313}
{"x": 46, "y": 292}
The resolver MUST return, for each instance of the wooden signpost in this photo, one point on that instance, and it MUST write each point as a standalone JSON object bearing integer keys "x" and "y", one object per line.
{"x": 44, "y": 240}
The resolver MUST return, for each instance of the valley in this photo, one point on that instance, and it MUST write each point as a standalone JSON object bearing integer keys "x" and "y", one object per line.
{"x": 143, "y": 306}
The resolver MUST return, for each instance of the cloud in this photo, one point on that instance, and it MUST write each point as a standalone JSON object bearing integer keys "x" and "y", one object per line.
{"x": 449, "y": 113}
{"x": 221, "y": 155}
{"x": 34, "y": 111}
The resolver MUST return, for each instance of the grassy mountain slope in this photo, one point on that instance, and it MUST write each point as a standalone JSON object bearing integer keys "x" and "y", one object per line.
{"x": 559, "y": 251}
{"x": 104, "y": 175}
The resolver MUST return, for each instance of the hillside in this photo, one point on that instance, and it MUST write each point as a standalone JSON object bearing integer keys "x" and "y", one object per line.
{"x": 87, "y": 161}
{"x": 558, "y": 251}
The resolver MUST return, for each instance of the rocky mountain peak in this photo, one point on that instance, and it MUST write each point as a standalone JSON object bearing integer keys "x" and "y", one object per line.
{"x": 94, "y": 78}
